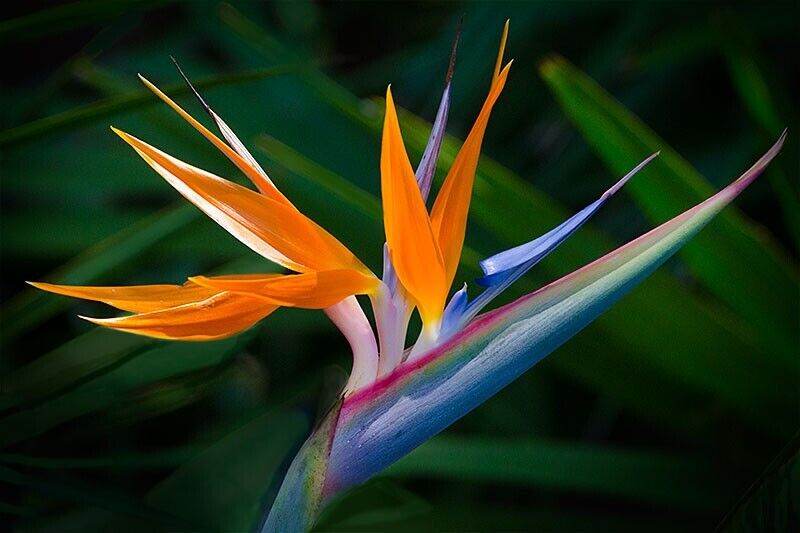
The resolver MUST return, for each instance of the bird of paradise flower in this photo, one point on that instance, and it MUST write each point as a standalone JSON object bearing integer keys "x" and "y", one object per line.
{"x": 396, "y": 397}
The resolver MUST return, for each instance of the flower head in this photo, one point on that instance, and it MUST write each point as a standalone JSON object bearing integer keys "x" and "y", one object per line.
{"x": 397, "y": 396}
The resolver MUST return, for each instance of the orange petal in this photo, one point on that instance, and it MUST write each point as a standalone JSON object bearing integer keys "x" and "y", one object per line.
{"x": 136, "y": 298}
{"x": 413, "y": 249}
{"x": 501, "y": 50}
{"x": 217, "y": 317}
{"x": 274, "y": 229}
{"x": 254, "y": 172}
{"x": 449, "y": 213}
{"x": 312, "y": 290}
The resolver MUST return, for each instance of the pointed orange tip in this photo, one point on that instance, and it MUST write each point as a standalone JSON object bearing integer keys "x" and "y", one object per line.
{"x": 502, "y": 48}
{"x": 96, "y": 321}
{"x": 200, "y": 280}
{"x": 121, "y": 133}
{"x": 503, "y": 72}
{"x": 129, "y": 139}
{"x": 150, "y": 85}
{"x": 311, "y": 290}
{"x": 42, "y": 286}
{"x": 47, "y": 287}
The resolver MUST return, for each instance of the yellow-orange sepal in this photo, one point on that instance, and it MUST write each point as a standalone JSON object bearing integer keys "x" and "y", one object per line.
{"x": 310, "y": 290}
{"x": 219, "y": 316}
{"x": 134, "y": 298}
{"x": 177, "y": 312}
{"x": 412, "y": 245}
{"x": 255, "y": 174}
{"x": 272, "y": 228}
{"x": 449, "y": 213}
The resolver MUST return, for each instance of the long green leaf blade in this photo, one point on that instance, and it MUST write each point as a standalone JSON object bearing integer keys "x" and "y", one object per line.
{"x": 680, "y": 482}
{"x": 737, "y": 261}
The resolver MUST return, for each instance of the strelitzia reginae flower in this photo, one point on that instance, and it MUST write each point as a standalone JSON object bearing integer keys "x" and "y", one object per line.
{"x": 396, "y": 397}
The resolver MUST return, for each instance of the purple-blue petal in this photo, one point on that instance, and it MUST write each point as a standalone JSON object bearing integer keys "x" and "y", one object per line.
{"x": 536, "y": 249}
{"x": 430, "y": 157}
{"x": 455, "y": 309}
{"x": 504, "y": 268}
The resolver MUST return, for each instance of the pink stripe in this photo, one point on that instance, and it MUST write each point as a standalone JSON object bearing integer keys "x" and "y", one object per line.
{"x": 487, "y": 320}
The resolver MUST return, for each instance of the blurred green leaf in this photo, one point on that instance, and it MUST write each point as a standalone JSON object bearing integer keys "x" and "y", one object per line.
{"x": 166, "y": 359}
{"x": 168, "y": 395}
{"x": 773, "y": 502}
{"x": 678, "y": 44}
{"x": 31, "y": 235}
{"x": 226, "y": 486}
{"x": 68, "y": 16}
{"x": 32, "y": 307}
{"x": 90, "y": 355}
{"x": 742, "y": 58}
{"x": 749, "y": 81}
{"x": 733, "y": 258}
{"x": 16, "y": 510}
{"x": 273, "y": 50}
{"x": 371, "y": 505}
{"x": 480, "y": 515}
{"x": 116, "y": 104}
{"x": 73, "y": 490}
{"x": 134, "y": 461}
{"x": 686, "y": 483}
{"x": 71, "y": 362}
{"x": 87, "y": 520}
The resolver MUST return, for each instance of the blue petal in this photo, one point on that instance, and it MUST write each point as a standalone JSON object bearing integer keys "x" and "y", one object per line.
{"x": 427, "y": 165}
{"x": 389, "y": 274}
{"x": 455, "y": 309}
{"x": 500, "y": 266}
{"x": 541, "y": 246}
{"x": 504, "y": 268}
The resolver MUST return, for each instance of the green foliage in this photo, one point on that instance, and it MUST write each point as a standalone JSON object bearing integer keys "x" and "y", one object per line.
{"x": 226, "y": 486}
{"x": 657, "y": 417}
{"x": 651, "y": 477}
{"x": 734, "y": 257}
{"x": 772, "y": 502}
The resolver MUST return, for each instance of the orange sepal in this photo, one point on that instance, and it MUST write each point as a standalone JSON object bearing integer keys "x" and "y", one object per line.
{"x": 256, "y": 175}
{"x": 311, "y": 290}
{"x": 271, "y": 228}
{"x": 449, "y": 213}
{"x": 412, "y": 246}
{"x": 222, "y": 315}
{"x": 134, "y": 298}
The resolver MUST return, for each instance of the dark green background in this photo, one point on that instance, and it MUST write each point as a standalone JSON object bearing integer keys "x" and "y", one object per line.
{"x": 658, "y": 417}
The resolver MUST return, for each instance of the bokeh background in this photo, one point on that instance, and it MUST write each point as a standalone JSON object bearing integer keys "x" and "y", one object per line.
{"x": 677, "y": 410}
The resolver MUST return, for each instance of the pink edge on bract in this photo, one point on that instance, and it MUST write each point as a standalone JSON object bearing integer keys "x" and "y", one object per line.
{"x": 489, "y": 319}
